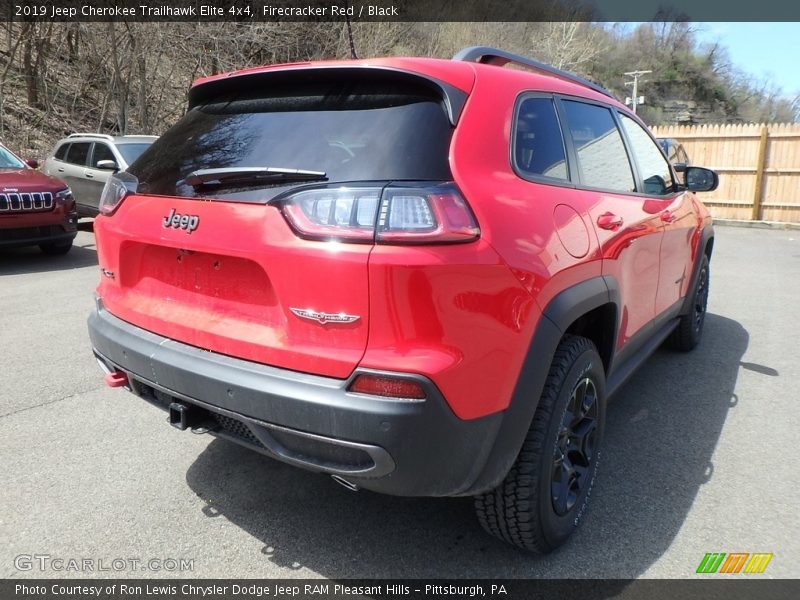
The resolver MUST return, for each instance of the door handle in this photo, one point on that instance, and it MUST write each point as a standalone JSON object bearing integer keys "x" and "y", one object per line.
{"x": 609, "y": 221}
{"x": 88, "y": 175}
{"x": 668, "y": 217}
{"x": 61, "y": 170}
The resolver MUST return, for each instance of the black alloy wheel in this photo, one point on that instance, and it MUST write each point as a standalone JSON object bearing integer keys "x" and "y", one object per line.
{"x": 574, "y": 449}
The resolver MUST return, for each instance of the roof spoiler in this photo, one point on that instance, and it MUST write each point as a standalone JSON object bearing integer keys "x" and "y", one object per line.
{"x": 453, "y": 98}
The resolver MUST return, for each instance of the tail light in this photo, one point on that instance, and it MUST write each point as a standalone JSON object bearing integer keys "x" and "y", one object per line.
{"x": 390, "y": 214}
{"x": 346, "y": 214}
{"x": 116, "y": 189}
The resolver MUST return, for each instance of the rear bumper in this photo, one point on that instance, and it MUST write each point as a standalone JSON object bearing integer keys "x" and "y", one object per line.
{"x": 397, "y": 447}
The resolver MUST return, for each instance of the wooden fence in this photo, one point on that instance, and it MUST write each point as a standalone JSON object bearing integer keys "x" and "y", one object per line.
{"x": 758, "y": 166}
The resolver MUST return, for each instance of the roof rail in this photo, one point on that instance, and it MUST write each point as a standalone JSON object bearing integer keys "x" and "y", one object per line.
{"x": 104, "y": 136}
{"x": 492, "y": 56}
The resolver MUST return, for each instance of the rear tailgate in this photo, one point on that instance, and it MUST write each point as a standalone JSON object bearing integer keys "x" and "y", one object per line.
{"x": 228, "y": 285}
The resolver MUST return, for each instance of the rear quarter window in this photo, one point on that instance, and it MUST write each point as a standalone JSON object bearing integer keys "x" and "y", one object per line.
{"x": 538, "y": 145}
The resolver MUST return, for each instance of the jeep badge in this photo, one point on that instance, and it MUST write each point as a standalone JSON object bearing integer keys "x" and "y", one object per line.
{"x": 179, "y": 221}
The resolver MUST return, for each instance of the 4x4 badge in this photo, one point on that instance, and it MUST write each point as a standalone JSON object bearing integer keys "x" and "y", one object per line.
{"x": 323, "y": 317}
{"x": 179, "y": 221}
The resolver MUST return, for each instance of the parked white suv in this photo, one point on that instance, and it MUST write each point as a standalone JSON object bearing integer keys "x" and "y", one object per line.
{"x": 86, "y": 161}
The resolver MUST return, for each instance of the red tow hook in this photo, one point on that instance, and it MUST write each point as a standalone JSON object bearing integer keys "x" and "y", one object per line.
{"x": 116, "y": 379}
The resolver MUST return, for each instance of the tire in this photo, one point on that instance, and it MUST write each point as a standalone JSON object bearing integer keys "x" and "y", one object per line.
{"x": 535, "y": 508}
{"x": 687, "y": 334}
{"x": 56, "y": 249}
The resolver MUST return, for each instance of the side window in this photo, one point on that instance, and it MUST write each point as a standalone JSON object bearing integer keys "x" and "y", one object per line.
{"x": 601, "y": 153}
{"x": 78, "y": 153}
{"x": 102, "y": 152}
{"x": 61, "y": 153}
{"x": 538, "y": 144}
{"x": 656, "y": 173}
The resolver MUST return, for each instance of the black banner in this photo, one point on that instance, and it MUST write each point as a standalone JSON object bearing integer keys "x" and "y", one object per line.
{"x": 730, "y": 588}
{"x": 398, "y": 10}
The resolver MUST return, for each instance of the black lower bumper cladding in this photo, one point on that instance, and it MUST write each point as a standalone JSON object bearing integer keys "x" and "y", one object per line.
{"x": 400, "y": 447}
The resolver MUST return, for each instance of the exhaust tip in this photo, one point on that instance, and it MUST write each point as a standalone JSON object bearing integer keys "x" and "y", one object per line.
{"x": 343, "y": 482}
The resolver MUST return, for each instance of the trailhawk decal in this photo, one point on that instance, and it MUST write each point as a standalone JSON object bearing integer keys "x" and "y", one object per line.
{"x": 323, "y": 317}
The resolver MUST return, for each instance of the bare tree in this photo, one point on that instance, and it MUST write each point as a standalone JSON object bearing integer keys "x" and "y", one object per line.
{"x": 56, "y": 78}
{"x": 571, "y": 46}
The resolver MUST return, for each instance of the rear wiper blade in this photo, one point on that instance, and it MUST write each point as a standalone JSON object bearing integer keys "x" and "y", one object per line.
{"x": 226, "y": 175}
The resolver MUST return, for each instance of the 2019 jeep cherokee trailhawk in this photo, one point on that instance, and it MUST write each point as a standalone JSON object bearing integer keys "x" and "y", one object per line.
{"x": 424, "y": 277}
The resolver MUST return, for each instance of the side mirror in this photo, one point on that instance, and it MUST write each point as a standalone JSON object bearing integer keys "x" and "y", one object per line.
{"x": 699, "y": 179}
{"x": 107, "y": 165}
{"x": 679, "y": 167}
{"x": 32, "y": 163}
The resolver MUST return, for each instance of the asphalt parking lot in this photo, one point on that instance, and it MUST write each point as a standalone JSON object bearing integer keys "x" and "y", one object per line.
{"x": 700, "y": 455}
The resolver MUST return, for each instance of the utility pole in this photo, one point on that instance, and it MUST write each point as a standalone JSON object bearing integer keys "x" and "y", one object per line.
{"x": 635, "y": 99}
{"x": 353, "y": 54}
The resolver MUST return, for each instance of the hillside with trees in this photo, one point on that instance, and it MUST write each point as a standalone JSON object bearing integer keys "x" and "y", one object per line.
{"x": 59, "y": 78}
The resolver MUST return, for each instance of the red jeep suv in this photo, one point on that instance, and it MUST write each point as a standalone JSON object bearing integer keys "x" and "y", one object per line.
{"x": 34, "y": 209}
{"x": 423, "y": 277}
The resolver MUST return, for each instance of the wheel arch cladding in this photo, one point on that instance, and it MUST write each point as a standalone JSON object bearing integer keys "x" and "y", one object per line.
{"x": 709, "y": 244}
{"x": 589, "y": 309}
{"x": 565, "y": 310}
{"x": 706, "y": 246}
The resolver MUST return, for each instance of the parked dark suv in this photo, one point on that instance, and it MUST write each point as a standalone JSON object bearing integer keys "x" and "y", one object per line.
{"x": 35, "y": 210}
{"x": 423, "y": 277}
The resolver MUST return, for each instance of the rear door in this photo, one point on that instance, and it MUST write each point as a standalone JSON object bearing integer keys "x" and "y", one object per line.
{"x": 628, "y": 231}
{"x": 219, "y": 265}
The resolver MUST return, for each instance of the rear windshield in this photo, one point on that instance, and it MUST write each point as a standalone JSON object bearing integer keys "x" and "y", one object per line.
{"x": 131, "y": 151}
{"x": 352, "y": 131}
